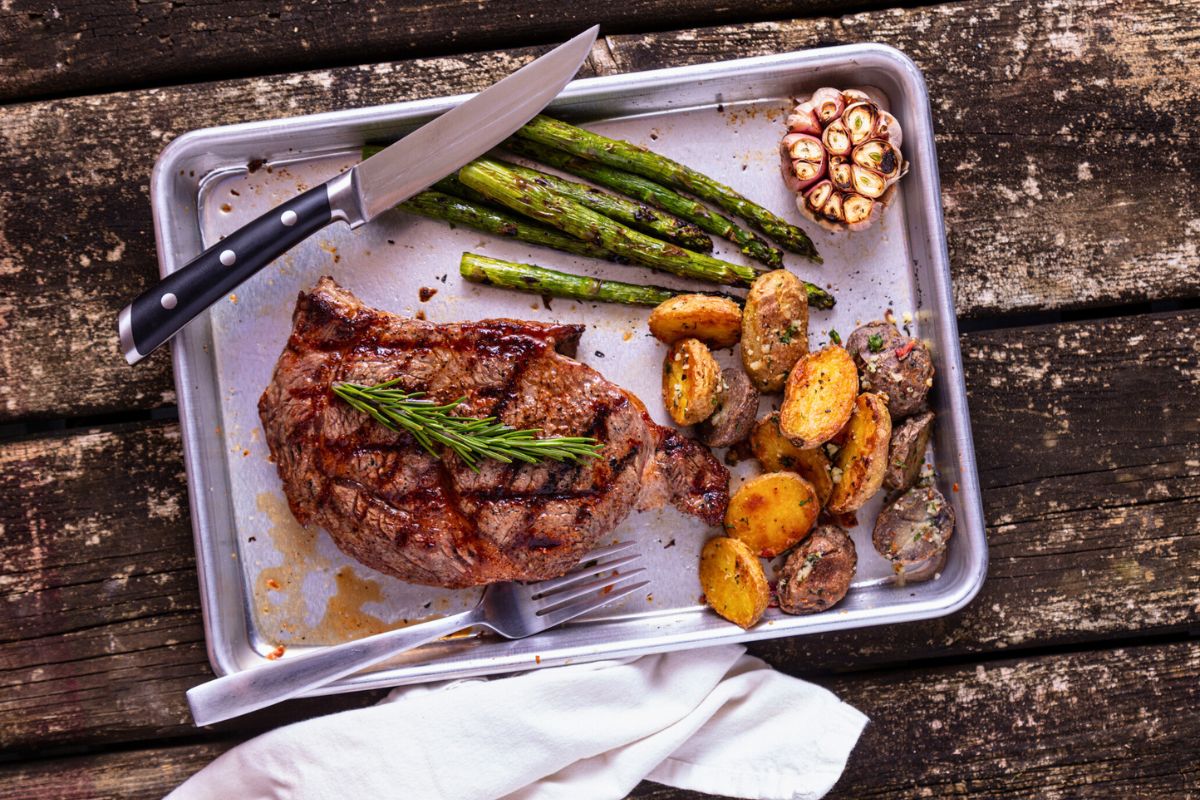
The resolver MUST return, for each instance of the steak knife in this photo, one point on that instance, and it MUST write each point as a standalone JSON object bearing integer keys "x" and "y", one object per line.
{"x": 391, "y": 176}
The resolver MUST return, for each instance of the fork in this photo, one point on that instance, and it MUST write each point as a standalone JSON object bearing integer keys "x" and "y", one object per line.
{"x": 513, "y": 610}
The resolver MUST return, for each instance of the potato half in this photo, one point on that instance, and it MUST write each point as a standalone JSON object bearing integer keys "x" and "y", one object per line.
{"x": 774, "y": 328}
{"x": 777, "y": 454}
{"x": 860, "y": 465}
{"x": 716, "y": 321}
{"x": 772, "y": 512}
{"x": 691, "y": 382}
{"x": 733, "y": 581}
{"x": 819, "y": 397}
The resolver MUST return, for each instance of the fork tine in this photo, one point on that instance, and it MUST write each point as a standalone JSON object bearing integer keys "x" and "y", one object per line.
{"x": 546, "y": 587}
{"x": 547, "y": 604}
{"x": 561, "y": 615}
{"x": 605, "y": 552}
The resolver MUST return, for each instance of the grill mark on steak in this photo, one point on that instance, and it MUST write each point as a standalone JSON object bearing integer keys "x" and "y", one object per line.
{"x": 426, "y": 519}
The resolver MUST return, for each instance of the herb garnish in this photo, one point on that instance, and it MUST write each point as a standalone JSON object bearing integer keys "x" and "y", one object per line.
{"x": 471, "y": 438}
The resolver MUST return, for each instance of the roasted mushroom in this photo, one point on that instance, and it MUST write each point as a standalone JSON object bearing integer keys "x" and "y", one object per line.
{"x": 907, "y": 451}
{"x": 817, "y": 574}
{"x": 736, "y": 410}
{"x": 896, "y": 366}
{"x": 914, "y": 530}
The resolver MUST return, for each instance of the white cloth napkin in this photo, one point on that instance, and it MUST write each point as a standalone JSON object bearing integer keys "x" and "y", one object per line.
{"x": 712, "y": 720}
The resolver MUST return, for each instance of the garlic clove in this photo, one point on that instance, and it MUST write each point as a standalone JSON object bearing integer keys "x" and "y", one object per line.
{"x": 828, "y": 103}
{"x": 803, "y": 119}
{"x": 832, "y": 210}
{"x": 879, "y": 156}
{"x": 860, "y": 121}
{"x": 818, "y": 195}
{"x": 857, "y": 209}
{"x": 840, "y": 174}
{"x": 888, "y": 127}
{"x": 837, "y": 139}
{"x": 807, "y": 173}
{"x": 857, "y": 96}
{"x": 804, "y": 147}
{"x": 868, "y": 183}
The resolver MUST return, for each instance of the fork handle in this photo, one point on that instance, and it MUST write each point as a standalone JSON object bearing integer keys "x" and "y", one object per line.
{"x": 246, "y": 691}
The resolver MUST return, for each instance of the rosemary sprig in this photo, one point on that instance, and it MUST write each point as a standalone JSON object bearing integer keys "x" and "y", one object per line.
{"x": 471, "y": 438}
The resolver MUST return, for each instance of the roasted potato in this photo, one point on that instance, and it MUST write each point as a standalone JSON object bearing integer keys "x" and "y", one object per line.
{"x": 733, "y": 581}
{"x": 736, "y": 409}
{"x": 716, "y": 321}
{"x": 907, "y": 451}
{"x": 776, "y": 454}
{"x": 859, "y": 465}
{"x": 772, "y": 512}
{"x": 691, "y": 382}
{"x": 915, "y": 528}
{"x": 817, "y": 574}
{"x": 819, "y": 397}
{"x": 774, "y": 328}
{"x": 893, "y": 365}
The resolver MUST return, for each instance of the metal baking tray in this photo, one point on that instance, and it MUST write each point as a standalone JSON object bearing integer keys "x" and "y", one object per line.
{"x": 266, "y": 582}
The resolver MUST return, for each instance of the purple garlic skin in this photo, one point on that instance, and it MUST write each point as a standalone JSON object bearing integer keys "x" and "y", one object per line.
{"x": 841, "y": 156}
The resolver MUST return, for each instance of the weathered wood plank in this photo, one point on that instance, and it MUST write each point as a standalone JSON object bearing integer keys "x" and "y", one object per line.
{"x": 1067, "y": 726}
{"x": 1093, "y": 506}
{"x": 84, "y": 46}
{"x": 1048, "y": 203}
{"x": 1100, "y": 724}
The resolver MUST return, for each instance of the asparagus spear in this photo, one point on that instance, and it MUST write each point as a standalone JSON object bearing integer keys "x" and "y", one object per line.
{"x": 635, "y": 215}
{"x": 438, "y": 205}
{"x": 502, "y": 185}
{"x": 650, "y": 192}
{"x": 540, "y": 280}
{"x": 626, "y": 156}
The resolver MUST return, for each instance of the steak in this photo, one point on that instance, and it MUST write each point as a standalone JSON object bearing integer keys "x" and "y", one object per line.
{"x": 431, "y": 519}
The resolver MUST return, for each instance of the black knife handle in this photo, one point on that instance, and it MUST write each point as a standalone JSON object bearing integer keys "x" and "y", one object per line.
{"x": 161, "y": 312}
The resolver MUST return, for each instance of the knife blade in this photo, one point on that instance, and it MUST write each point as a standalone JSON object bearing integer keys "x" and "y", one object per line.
{"x": 380, "y": 182}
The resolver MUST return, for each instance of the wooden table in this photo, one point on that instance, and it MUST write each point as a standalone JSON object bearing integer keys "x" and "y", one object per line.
{"x": 1069, "y": 158}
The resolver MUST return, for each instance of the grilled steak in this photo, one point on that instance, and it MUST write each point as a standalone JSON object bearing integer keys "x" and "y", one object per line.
{"x": 432, "y": 520}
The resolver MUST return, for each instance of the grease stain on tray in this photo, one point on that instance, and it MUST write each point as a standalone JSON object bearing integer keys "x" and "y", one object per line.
{"x": 281, "y": 603}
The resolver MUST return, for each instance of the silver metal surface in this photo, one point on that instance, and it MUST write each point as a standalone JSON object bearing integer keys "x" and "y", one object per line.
{"x": 468, "y": 131}
{"x": 125, "y": 335}
{"x": 513, "y": 610}
{"x": 723, "y": 118}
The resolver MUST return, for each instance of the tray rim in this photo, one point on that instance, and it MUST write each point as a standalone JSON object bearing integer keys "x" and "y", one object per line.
{"x": 223, "y": 661}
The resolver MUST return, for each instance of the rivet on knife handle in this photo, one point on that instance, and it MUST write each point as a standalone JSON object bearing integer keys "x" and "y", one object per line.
{"x": 159, "y": 313}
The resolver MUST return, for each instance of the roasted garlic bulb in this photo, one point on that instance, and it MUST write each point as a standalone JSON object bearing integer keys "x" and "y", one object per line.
{"x": 841, "y": 156}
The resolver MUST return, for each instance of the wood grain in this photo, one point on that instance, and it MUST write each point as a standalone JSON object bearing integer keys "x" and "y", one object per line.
{"x": 85, "y": 46}
{"x": 1067, "y": 726}
{"x": 1092, "y": 501}
{"x": 1057, "y": 120}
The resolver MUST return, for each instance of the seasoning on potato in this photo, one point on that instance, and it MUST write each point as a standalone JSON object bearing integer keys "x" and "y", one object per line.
{"x": 860, "y": 463}
{"x": 716, "y": 321}
{"x": 819, "y": 397}
{"x": 907, "y": 451}
{"x": 733, "y": 581}
{"x": 772, "y": 512}
{"x": 691, "y": 382}
{"x": 774, "y": 328}
{"x": 777, "y": 454}
{"x": 817, "y": 574}
{"x": 891, "y": 364}
{"x": 914, "y": 528}
{"x": 736, "y": 409}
